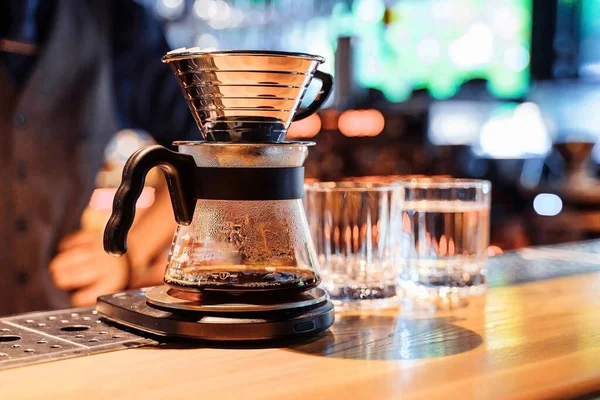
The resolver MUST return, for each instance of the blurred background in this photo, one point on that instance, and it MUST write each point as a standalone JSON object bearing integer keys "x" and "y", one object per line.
{"x": 505, "y": 90}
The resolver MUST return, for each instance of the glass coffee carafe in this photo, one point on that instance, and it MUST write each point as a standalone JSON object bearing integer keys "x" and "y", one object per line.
{"x": 237, "y": 197}
{"x": 235, "y": 246}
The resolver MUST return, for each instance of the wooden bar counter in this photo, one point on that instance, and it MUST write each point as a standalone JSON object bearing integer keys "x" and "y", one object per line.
{"x": 526, "y": 339}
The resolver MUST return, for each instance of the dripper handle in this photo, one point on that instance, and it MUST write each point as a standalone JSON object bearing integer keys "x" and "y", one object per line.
{"x": 179, "y": 173}
{"x": 326, "y": 88}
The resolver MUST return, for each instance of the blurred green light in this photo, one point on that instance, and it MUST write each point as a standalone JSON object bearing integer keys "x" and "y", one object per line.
{"x": 369, "y": 11}
{"x": 415, "y": 50}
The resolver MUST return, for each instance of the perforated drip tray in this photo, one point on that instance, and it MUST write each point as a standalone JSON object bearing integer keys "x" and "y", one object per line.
{"x": 40, "y": 337}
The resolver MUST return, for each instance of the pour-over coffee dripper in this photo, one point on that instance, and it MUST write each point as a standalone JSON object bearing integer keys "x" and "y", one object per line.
{"x": 247, "y": 96}
{"x": 237, "y": 199}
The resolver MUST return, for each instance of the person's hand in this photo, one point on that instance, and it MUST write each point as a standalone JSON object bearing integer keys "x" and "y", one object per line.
{"x": 153, "y": 274}
{"x": 83, "y": 268}
{"x": 492, "y": 251}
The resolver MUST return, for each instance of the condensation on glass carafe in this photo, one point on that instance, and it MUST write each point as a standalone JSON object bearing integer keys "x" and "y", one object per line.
{"x": 244, "y": 246}
{"x": 239, "y": 246}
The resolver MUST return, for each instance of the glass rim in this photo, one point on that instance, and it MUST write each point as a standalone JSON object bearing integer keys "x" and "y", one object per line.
{"x": 349, "y": 186}
{"x": 207, "y": 143}
{"x": 389, "y": 178}
{"x": 444, "y": 183}
{"x": 193, "y": 52}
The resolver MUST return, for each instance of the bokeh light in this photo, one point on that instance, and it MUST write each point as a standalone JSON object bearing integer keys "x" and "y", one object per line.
{"x": 547, "y": 204}
{"x": 305, "y": 129}
{"x": 170, "y": 9}
{"x": 517, "y": 133}
{"x": 205, "y": 9}
{"x": 207, "y": 41}
{"x": 440, "y": 44}
{"x": 360, "y": 123}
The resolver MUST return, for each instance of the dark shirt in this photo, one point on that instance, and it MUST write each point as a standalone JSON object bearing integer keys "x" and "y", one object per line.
{"x": 151, "y": 100}
{"x": 97, "y": 70}
{"x": 25, "y": 21}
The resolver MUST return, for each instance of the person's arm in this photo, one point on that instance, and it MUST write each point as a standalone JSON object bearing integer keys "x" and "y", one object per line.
{"x": 147, "y": 94}
{"x": 149, "y": 239}
{"x": 147, "y": 97}
{"x": 87, "y": 271}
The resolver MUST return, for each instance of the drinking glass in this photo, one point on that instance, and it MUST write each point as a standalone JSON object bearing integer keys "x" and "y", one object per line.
{"x": 443, "y": 238}
{"x": 354, "y": 226}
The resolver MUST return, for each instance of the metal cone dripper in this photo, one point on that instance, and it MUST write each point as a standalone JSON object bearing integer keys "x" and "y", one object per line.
{"x": 247, "y": 96}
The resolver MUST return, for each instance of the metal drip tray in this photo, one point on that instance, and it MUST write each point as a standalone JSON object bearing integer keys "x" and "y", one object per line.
{"x": 40, "y": 337}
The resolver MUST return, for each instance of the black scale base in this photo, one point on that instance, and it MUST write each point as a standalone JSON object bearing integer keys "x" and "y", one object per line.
{"x": 234, "y": 319}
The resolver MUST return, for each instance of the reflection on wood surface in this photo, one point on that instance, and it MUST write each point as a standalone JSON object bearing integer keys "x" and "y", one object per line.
{"x": 387, "y": 337}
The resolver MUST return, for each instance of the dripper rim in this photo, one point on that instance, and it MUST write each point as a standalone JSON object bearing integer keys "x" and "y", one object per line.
{"x": 183, "y": 53}
{"x": 255, "y": 144}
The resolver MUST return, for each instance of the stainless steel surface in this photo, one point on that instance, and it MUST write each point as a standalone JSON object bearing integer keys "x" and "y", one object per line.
{"x": 132, "y": 310}
{"x": 45, "y": 336}
{"x": 164, "y": 296}
{"x": 184, "y": 53}
{"x": 244, "y": 95}
{"x": 537, "y": 263}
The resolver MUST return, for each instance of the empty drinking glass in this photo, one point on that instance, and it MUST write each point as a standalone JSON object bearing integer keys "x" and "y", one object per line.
{"x": 355, "y": 226}
{"x": 444, "y": 236}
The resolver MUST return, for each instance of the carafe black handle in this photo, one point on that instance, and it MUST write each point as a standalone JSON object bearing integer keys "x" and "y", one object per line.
{"x": 179, "y": 172}
{"x": 324, "y": 93}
